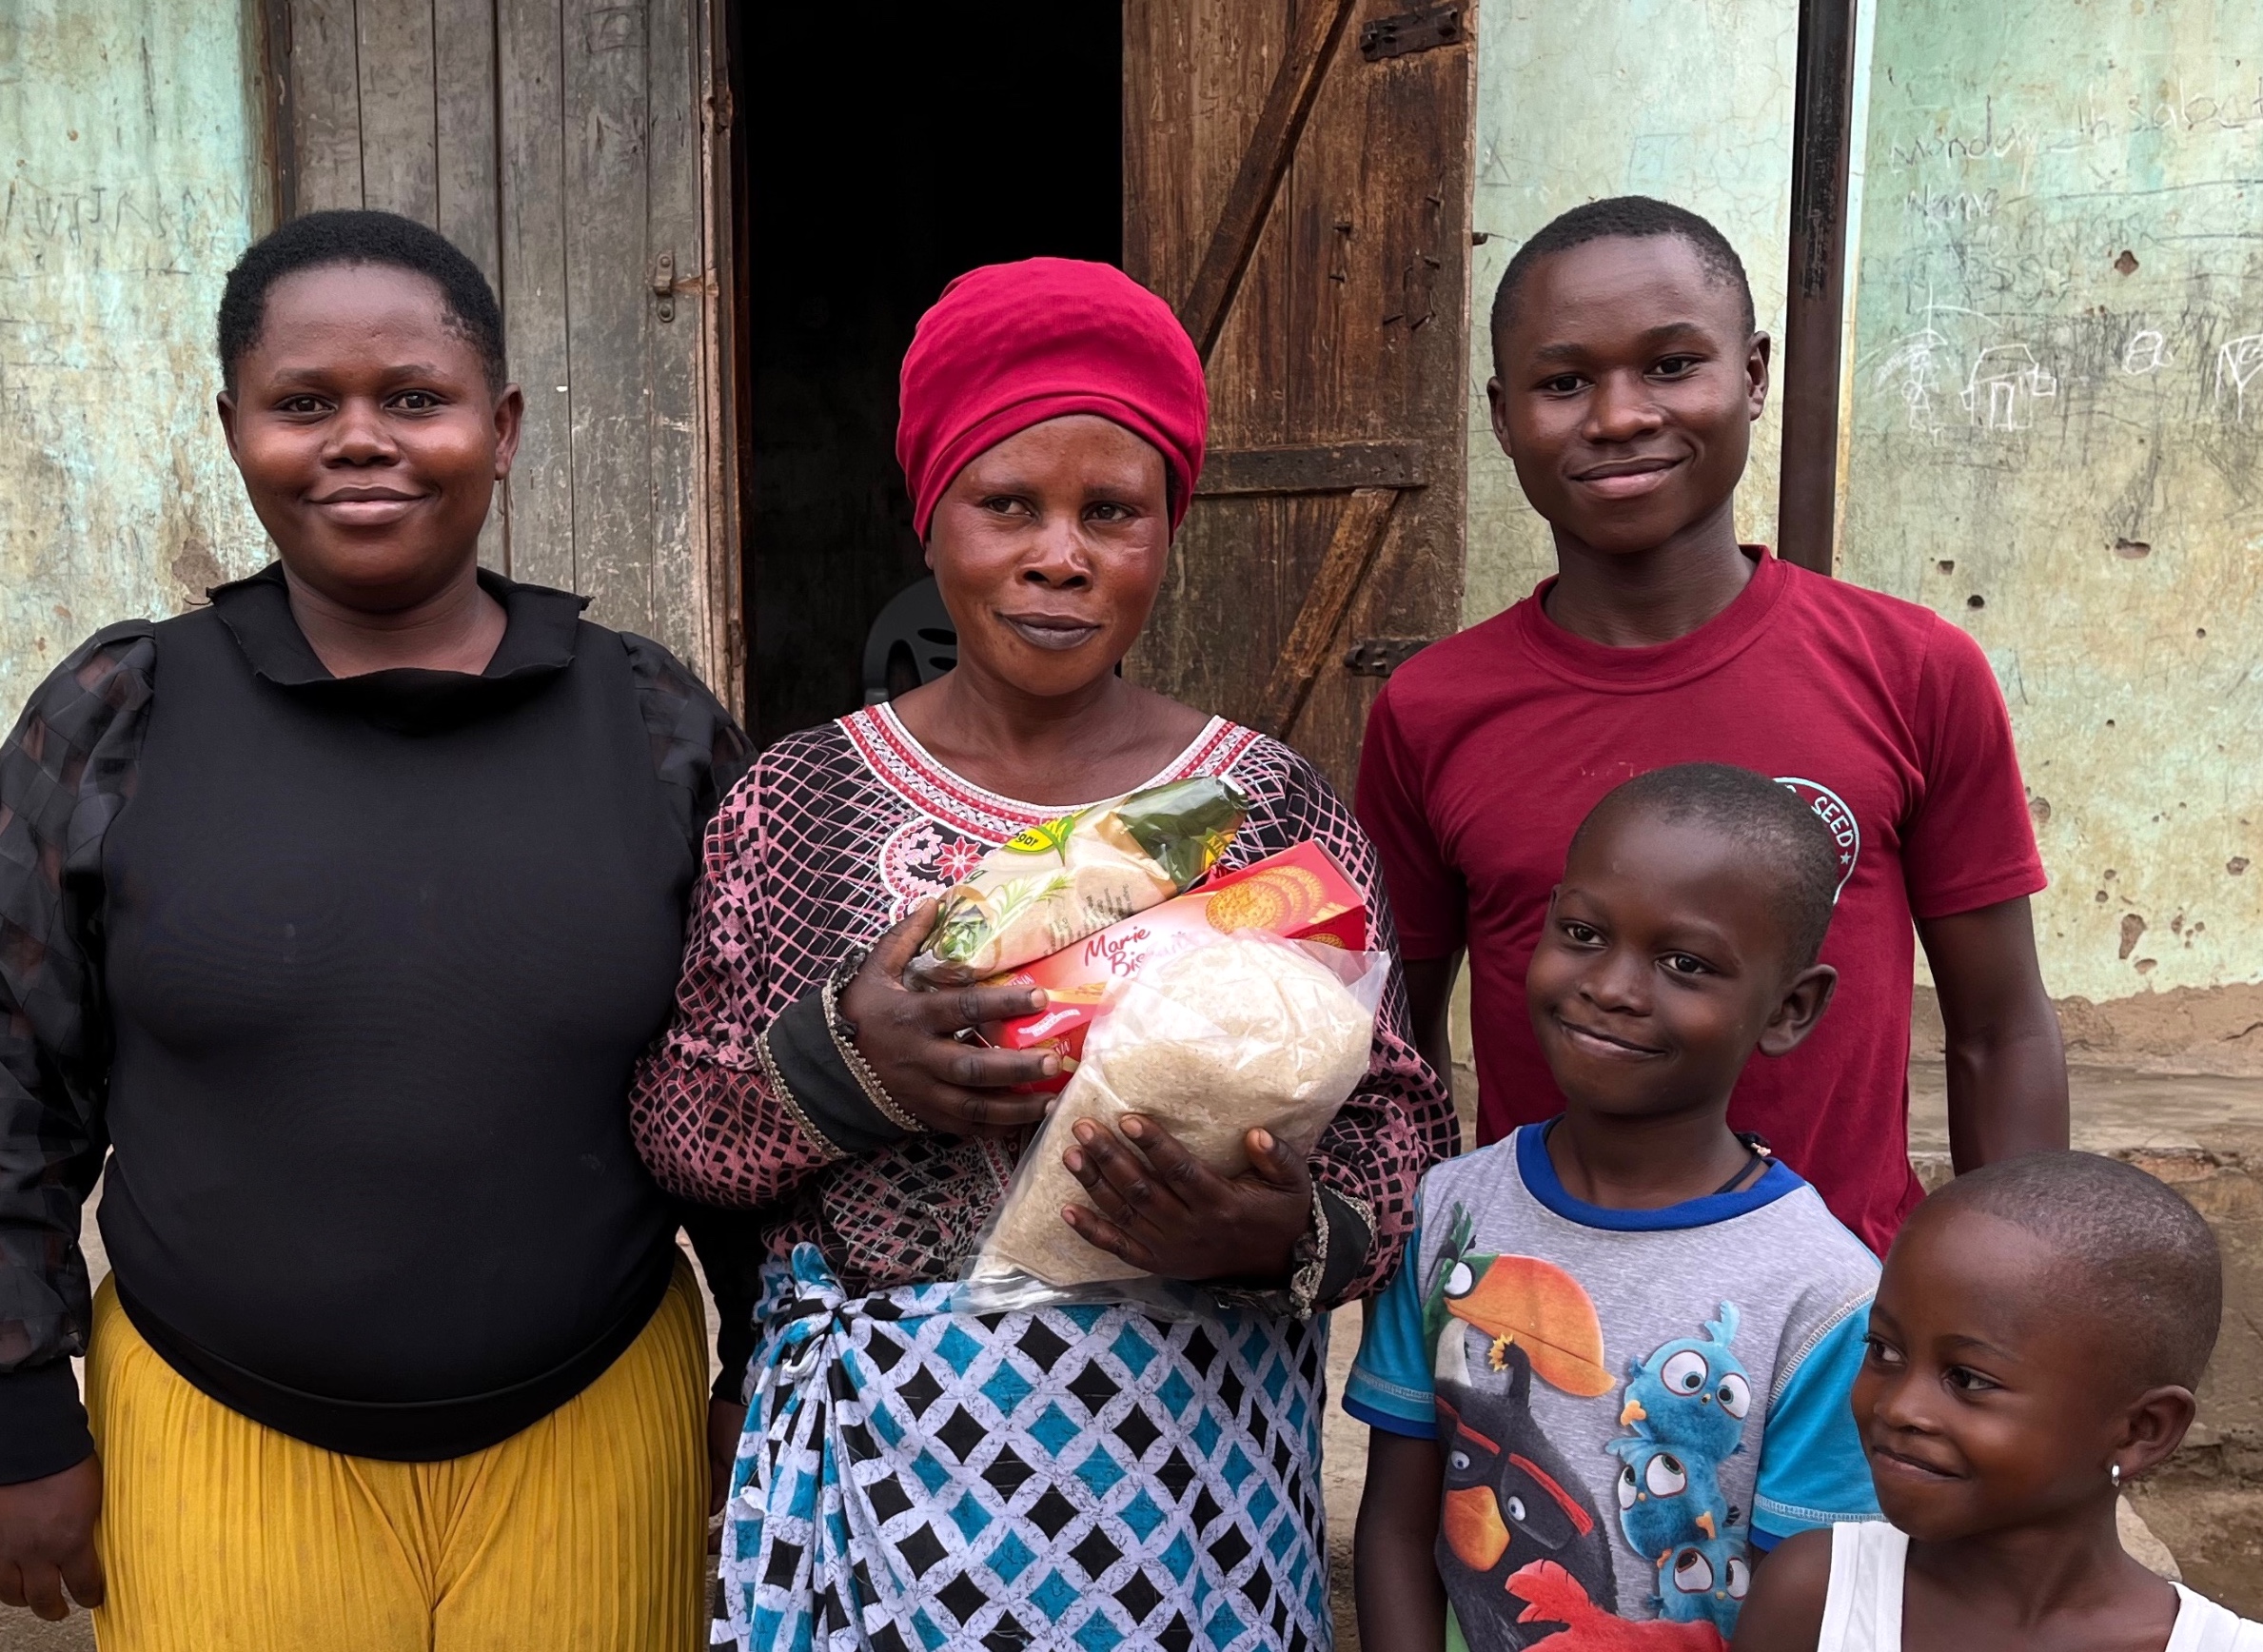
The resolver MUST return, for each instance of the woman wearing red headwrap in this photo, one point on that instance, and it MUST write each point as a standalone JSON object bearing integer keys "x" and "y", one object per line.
{"x": 1088, "y": 1475}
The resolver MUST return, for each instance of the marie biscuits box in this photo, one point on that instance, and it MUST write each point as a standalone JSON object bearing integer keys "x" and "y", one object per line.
{"x": 1300, "y": 894}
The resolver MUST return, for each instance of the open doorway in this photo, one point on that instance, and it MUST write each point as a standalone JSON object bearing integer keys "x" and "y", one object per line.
{"x": 884, "y": 150}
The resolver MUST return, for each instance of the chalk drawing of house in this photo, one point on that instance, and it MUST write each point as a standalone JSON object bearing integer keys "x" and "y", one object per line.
{"x": 2004, "y": 383}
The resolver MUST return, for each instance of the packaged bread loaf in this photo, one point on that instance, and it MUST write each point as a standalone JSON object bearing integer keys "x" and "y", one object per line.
{"x": 1246, "y": 1032}
{"x": 1053, "y": 885}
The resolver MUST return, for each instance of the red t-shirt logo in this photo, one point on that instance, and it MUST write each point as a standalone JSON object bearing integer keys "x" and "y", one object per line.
{"x": 1836, "y": 815}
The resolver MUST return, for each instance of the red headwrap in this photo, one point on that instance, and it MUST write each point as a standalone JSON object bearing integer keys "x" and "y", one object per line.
{"x": 1010, "y": 345}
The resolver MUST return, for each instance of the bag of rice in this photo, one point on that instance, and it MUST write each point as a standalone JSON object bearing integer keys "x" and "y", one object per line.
{"x": 1053, "y": 885}
{"x": 1246, "y": 1032}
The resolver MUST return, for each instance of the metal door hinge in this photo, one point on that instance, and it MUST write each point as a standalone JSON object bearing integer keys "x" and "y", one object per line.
{"x": 1411, "y": 32}
{"x": 663, "y": 286}
{"x": 1380, "y": 655}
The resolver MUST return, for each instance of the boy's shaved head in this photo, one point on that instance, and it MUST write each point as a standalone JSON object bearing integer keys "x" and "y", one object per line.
{"x": 2146, "y": 1262}
{"x": 1635, "y": 217}
{"x": 1789, "y": 836}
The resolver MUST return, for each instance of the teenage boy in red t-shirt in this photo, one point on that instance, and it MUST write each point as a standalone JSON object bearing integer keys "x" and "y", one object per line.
{"x": 1628, "y": 375}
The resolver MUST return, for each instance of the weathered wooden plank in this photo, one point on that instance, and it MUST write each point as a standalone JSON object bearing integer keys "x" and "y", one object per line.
{"x": 399, "y": 129}
{"x": 1350, "y": 552}
{"x": 1388, "y": 150}
{"x": 463, "y": 124}
{"x": 1264, "y": 160}
{"x": 1159, "y": 245}
{"x": 275, "y": 196}
{"x": 1346, "y": 335}
{"x": 325, "y": 102}
{"x": 464, "y": 99}
{"x": 608, "y": 271}
{"x": 1203, "y": 68}
{"x": 675, "y": 438}
{"x": 1331, "y": 467}
{"x": 1239, "y": 49}
{"x": 726, "y": 364}
{"x": 531, "y": 148}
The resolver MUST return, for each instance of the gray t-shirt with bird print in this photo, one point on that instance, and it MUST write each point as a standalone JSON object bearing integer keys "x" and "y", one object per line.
{"x": 1627, "y": 1402}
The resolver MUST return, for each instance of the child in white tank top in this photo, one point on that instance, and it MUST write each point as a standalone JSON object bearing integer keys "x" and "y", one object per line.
{"x": 1862, "y": 1609}
{"x": 2039, "y": 1331}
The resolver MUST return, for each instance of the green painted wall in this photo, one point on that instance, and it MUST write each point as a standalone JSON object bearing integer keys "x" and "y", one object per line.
{"x": 1687, "y": 100}
{"x": 2058, "y": 427}
{"x": 128, "y": 134}
{"x": 2072, "y": 442}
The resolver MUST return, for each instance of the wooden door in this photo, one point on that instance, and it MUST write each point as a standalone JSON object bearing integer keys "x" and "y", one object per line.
{"x": 1296, "y": 182}
{"x": 574, "y": 150}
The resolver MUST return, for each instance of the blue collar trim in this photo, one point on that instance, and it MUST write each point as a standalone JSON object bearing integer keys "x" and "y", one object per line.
{"x": 1541, "y": 1181}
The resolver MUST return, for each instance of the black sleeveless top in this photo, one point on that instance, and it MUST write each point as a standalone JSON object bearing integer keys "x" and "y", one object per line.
{"x": 367, "y": 965}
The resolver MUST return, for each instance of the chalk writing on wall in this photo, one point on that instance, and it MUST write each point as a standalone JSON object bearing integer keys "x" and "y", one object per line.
{"x": 2057, "y": 437}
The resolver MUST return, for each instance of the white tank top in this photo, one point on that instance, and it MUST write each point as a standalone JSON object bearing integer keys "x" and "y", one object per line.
{"x": 1863, "y": 1613}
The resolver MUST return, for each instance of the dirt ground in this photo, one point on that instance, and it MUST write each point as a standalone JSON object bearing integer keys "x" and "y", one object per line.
{"x": 2216, "y": 1535}
{"x": 2214, "y": 1531}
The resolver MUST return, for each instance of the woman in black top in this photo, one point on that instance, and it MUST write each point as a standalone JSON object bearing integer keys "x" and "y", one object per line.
{"x": 338, "y": 913}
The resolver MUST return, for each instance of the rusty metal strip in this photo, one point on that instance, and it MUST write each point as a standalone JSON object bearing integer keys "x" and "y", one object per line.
{"x": 1380, "y": 655}
{"x": 1273, "y": 146}
{"x": 1411, "y": 32}
{"x": 1334, "y": 467}
{"x": 1350, "y": 552}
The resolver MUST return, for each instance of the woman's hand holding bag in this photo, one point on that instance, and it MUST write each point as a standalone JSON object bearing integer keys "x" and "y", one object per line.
{"x": 909, "y": 1040}
{"x": 1166, "y": 1213}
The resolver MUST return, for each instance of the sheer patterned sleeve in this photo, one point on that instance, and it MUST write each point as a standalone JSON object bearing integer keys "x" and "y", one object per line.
{"x": 65, "y": 772}
{"x": 713, "y": 1118}
{"x": 1399, "y": 1121}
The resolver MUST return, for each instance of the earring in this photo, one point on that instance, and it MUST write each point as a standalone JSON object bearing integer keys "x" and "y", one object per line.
{"x": 2113, "y": 1473}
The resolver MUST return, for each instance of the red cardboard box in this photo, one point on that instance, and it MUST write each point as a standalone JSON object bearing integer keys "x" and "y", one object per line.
{"x": 1301, "y": 893}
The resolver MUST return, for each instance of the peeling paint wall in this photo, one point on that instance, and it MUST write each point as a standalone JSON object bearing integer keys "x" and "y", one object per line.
{"x": 1687, "y": 100}
{"x": 2058, "y": 427}
{"x": 128, "y": 130}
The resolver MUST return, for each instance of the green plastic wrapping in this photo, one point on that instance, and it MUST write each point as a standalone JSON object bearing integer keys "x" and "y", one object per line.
{"x": 1066, "y": 878}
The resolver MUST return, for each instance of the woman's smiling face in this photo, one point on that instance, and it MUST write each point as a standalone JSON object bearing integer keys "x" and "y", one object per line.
{"x": 367, "y": 433}
{"x": 1048, "y": 550}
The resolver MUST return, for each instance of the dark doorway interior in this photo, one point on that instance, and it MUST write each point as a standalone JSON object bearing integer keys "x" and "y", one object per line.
{"x": 886, "y": 148}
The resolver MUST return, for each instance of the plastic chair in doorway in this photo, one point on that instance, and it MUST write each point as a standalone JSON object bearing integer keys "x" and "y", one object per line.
{"x": 913, "y": 642}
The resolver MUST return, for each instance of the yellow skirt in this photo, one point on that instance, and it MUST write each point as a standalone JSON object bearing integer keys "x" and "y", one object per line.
{"x": 583, "y": 1533}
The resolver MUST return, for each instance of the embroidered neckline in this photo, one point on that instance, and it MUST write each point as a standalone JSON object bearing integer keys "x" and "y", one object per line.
{"x": 898, "y": 761}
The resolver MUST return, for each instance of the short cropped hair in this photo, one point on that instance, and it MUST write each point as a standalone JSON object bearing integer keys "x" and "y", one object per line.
{"x": 1635, "y": 218}
{"x": 321, "y": 240}
{"x": 2147, "y": 1259}
{"x": 1787, "y": 837}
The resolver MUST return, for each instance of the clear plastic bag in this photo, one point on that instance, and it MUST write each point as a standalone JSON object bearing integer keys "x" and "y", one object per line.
{"x": 1246, "y": 1032}
{"x": 1053, "y": 885}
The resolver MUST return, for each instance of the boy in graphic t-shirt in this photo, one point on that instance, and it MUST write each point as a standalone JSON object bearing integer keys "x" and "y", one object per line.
{"x": 1628, "y": 378}
{"x": 1617, "y": 1358}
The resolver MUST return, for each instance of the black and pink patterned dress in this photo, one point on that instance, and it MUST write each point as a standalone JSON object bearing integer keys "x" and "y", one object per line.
{"x": 1080, "y": 1475}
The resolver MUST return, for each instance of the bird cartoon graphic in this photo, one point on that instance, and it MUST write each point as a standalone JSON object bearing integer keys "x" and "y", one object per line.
{"x": 1704, "y": 1582}
{"x": 1553, "y": 1595}
{"x": 1510, "y": 1499}
{"x": 1495, "y": 1323}
{"x": 1666, "y": 1499}
{"x": 1691, "y": 1394}
{"x": 1519, "y": 1302}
